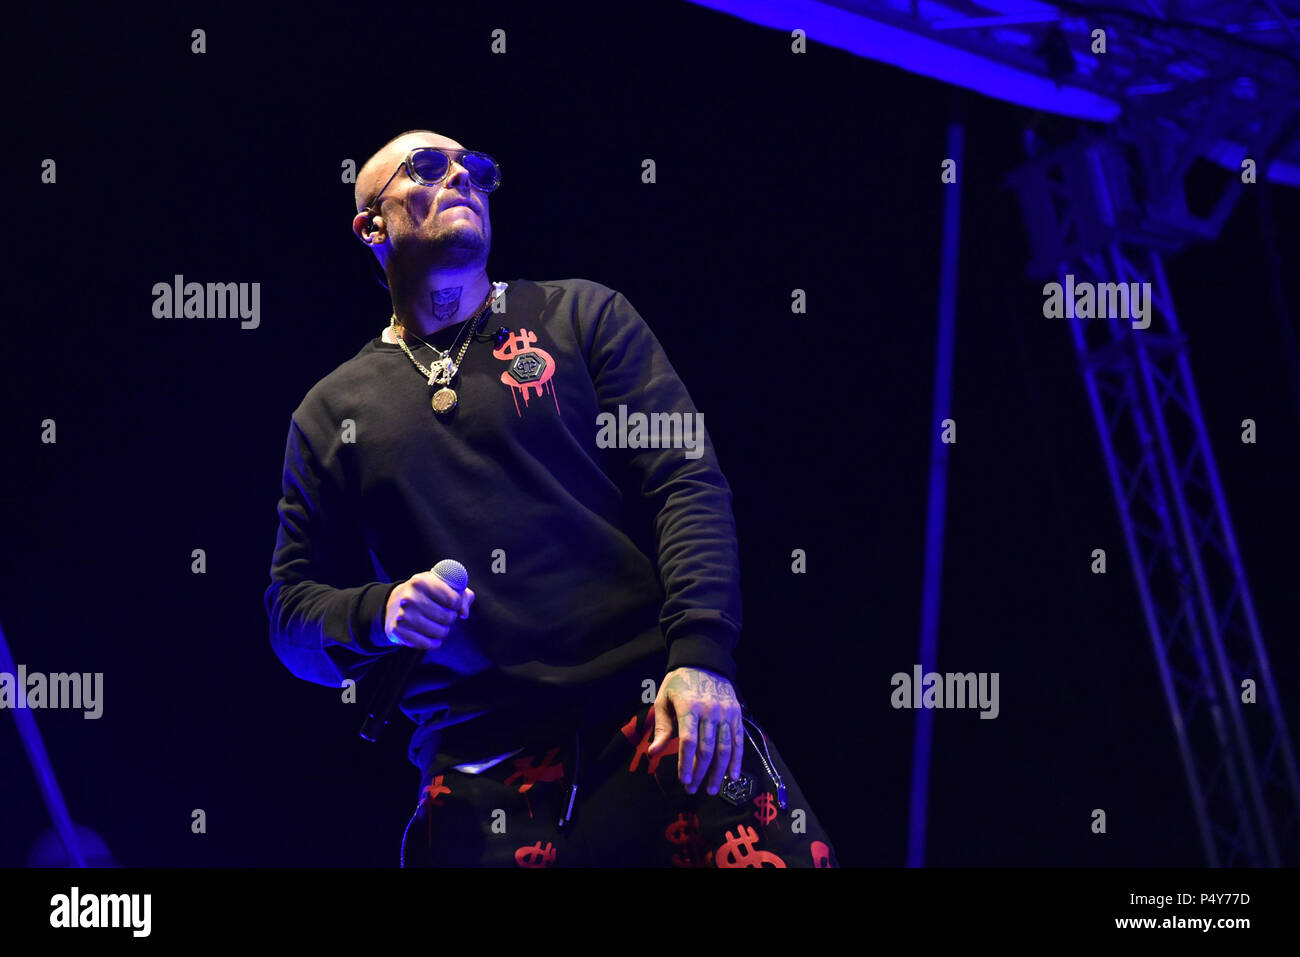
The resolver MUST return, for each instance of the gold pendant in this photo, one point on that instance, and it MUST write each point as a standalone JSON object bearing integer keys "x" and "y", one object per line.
{"x": 444, "y": 400}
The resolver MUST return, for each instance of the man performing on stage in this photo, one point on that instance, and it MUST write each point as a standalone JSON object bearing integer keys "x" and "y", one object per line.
{"x": 575, "y": 703}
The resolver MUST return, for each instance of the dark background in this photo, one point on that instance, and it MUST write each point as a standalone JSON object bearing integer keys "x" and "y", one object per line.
{"x": 775, "y": 172}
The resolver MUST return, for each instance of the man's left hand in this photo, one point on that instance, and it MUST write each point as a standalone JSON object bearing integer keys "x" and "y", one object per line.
{"x": 710, "y": 733}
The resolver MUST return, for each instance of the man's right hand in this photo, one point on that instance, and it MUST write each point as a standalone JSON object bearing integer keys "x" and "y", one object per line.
{"x": 422, "y": 609}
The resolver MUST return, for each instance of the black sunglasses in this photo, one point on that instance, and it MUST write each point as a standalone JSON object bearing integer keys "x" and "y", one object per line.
{"x": 428, "y": 166}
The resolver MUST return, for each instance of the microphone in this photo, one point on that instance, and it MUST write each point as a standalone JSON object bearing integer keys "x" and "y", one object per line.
{"x": 454, "y": 574}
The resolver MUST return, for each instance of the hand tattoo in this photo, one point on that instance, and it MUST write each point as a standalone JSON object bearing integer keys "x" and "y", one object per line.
{"x": 709, "y": 729}
{"x": 697, "y": 682}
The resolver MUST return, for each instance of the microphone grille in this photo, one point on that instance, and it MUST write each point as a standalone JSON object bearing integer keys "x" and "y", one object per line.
{"x": 453, "y": 573}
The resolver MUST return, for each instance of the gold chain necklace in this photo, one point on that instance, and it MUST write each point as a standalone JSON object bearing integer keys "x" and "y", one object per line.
{"x": 444, "y": 400}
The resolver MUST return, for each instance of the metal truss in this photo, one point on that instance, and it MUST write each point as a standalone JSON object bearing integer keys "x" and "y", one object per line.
{"x": 1178, "y": 81}
{"x": 1237, "y": 756}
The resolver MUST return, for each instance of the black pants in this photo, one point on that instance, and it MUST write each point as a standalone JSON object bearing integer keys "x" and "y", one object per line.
{"x": 627, "y": 810}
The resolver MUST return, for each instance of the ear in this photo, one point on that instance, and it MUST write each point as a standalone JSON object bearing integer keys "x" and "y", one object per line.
{"x": 366, "y": 223}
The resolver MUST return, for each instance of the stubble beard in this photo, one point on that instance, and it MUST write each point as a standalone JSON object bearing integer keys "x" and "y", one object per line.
{"x": 454, "y": 247}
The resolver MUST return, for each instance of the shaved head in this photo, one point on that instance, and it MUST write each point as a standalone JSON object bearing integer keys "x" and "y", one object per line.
{"x": 377, "y": 169}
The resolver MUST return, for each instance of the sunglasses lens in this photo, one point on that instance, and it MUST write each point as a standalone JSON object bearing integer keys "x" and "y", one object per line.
{"x": 429, "y": 165}
{"x": 483, "y": 172}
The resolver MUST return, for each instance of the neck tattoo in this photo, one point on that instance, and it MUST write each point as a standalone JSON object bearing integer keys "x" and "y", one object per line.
{"x": 445, "y": 303}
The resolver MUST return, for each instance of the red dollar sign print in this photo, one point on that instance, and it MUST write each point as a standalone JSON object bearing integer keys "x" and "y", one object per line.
{"x": 739, "y": 850}
{"x": 643, "y": 746}
{"x": 685, "y": 831}
{"x": 821, "y": 854}
{"x": 435, "y": 789}
{"x": 545, "y": 771}
{"x": 534, "y": 855}
{"x": 528, "y": 367}
{"x": 766, "y": 805}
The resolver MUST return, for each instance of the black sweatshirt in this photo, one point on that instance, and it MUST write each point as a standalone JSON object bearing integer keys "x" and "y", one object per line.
{"x": 596, "y": 564}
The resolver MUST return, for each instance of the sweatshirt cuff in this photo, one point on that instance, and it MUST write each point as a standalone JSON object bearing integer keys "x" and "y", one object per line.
{"x": 370, "y": 618}
{"x": 704, "y": 647}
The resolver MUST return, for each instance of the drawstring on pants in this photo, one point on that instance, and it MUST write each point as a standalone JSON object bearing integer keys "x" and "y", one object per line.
{"x": 573, "y": 784}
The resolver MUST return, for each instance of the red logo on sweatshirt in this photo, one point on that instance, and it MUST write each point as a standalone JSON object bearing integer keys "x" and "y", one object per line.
{"x": 528, "y": 367}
